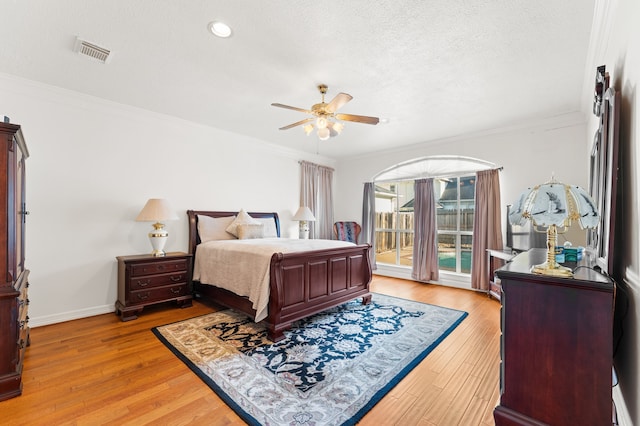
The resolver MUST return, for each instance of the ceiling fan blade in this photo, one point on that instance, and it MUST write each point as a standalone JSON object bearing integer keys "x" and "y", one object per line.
{"x": 358, "y": 118}
{"x": 306, "y": 120}
{"x": 337, "y": 102}
{"x": 291, "y": 107}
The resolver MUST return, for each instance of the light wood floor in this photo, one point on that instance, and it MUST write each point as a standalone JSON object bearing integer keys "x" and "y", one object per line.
{"x": 100, "y": 370}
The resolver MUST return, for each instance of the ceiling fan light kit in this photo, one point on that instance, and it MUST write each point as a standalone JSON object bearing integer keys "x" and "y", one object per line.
{"x": 325, "y": 116}
{"x": 220, "y": 29}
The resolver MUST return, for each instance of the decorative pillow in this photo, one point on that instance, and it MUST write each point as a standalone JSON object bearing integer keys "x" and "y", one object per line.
{"x": 270, "y": 230}
{"x": 247, "y": 231}
{"x": 214, "y": 228}
{"x": 242, "y": 218}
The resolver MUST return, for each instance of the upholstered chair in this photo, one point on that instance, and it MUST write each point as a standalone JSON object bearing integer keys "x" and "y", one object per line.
{"x": 347, "y": 231}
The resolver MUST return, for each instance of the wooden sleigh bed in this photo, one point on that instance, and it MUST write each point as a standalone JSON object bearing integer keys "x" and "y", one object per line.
{"x": 301, "y": 283}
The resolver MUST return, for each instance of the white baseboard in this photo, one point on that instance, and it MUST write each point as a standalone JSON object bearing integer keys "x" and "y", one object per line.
{"x": 446, "y": 278}
{"x": 72, "y": 315}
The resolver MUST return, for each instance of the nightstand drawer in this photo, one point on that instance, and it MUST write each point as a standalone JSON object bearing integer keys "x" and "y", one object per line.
{"x": 141, "y": 283}
{"x": 141, "y": 269}
{"x": 158, "y": 294}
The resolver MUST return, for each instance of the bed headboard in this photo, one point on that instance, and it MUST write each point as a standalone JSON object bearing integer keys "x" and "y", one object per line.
{"x": 194, "y": 238}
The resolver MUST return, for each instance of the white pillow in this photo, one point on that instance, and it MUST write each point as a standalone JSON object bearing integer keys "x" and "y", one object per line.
{"x": 247, "y": 231}
{"x": 242, "y": 218}
{"x": 269, "y": 223}
{"x": 214, "y": 228}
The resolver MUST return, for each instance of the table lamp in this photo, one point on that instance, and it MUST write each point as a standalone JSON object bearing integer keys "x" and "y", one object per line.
{"x": 304, "y": 215}
{"x": 157, "y": 210}
{"x": 552, "y": 205}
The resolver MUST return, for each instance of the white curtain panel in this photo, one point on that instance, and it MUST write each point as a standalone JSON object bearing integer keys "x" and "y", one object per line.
{"x": 316, "y": 193}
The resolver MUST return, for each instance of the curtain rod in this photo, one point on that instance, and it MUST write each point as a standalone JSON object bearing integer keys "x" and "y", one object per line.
{"x": 427, "y": 177}
{"x": 318, "y": 165}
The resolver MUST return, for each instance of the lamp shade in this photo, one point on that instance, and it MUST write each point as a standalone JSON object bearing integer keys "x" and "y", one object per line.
{"x": 555, "y": 203}
{"x": 305, "y": 214}
{"x": 156, "y": 210}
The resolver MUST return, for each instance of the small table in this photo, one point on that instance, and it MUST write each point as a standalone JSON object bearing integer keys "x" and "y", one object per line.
{"x": 495, "y": 289}
{"x": 145, "y": 280}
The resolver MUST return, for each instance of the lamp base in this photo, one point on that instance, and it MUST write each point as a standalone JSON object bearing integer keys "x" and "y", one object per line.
{"x": 158, "y": 238}
{"x": 303, "y": 232}
{"x": 552, "y": 269}
{"x": 158, "y": 253}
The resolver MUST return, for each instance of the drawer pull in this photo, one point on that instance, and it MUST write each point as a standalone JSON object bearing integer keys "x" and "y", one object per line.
{"x": 161, "y": 267}
{"x": 176, "y": 278}
{"x": 21, "y": 344}
{"x": 176, "y": 290}
{"x": 144, "y": 283}
{"x": 143, "y": 296}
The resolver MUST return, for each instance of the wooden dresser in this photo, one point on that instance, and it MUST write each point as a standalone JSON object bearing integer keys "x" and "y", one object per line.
{"x": 557, "y": 346}
{"x": 145, "y": 280}
{"x": 14, "y": 328}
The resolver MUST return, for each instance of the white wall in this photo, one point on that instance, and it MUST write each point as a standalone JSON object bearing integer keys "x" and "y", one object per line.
{"x": 530, "y": 154}
{"x": 616, "y": 44}
{"x": 92, "y": 167}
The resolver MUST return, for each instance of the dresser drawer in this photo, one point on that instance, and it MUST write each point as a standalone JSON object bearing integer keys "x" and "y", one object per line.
{"x": 158, "y": 294}
{"x": 141, "y": 283}
{"x": 23, "y": 318}
{"x": 23, "y": 310}
{"x": 23, "y": 304}
{"x": 22, "y": 283}
{"x": 142, "y": 269}
{"x": 23, "y": 343}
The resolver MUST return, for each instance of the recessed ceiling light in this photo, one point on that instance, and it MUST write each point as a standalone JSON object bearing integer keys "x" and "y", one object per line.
{"x": 220, "y": 29}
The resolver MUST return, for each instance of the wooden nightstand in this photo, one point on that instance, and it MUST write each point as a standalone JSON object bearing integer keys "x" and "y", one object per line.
{"x": 145, "y": 280}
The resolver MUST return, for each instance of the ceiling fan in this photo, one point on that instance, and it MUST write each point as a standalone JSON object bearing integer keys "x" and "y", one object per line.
{"x": 325, "y": 116}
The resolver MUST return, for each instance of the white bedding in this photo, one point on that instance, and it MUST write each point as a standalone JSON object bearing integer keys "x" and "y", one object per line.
{"x": 242, "y": 266}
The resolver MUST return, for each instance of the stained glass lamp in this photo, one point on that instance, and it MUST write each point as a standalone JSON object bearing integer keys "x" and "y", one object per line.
{"x": 554, "y": 205}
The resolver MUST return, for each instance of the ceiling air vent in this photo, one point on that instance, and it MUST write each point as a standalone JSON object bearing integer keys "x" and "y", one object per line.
{"x": 98, "y": 53}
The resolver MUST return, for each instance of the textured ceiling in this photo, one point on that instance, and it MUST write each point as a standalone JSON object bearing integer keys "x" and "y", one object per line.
{"x": 429, "y": 69}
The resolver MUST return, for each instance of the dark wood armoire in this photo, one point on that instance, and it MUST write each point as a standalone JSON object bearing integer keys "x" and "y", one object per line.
{"x": 14, "y": 328}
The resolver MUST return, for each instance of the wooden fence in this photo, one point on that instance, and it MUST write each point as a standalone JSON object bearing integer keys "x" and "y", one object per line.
{"x": 386, "y": 240}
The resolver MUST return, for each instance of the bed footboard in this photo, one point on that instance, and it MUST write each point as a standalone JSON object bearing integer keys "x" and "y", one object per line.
{"x": 306, "y": 283}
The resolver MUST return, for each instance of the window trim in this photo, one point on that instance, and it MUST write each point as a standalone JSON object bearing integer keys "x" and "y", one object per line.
{"x": 428, "y": 167}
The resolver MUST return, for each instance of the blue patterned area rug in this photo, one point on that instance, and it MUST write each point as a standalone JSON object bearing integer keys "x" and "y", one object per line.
{"x": 329, "y": 370}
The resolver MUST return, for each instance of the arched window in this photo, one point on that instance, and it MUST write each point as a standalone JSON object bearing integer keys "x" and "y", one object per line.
{"x": 454, "y": 187}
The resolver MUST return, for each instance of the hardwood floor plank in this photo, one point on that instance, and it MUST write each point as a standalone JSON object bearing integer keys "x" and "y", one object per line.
{"x": 461, "y": 401}
{"x": 426, "y": 398}
{"x": 388, "y": 411}
{"x": 100, "y": 370}
{"x": 475, "y": 410}
{"x": 440, "y": 406}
